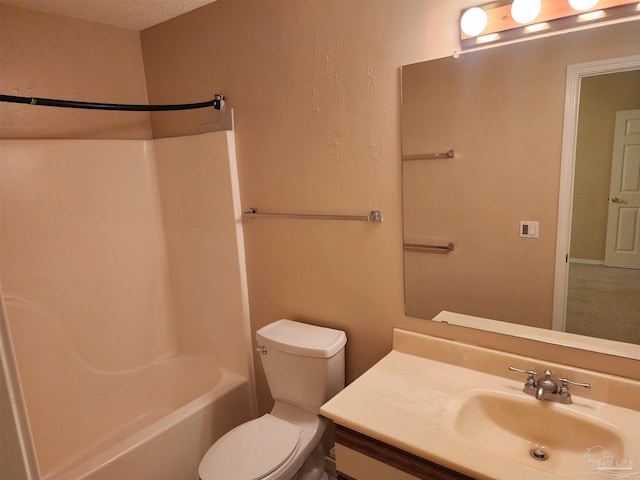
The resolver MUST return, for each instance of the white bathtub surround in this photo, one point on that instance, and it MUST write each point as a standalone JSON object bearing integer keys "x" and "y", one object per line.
{"x": 122, "y": 271}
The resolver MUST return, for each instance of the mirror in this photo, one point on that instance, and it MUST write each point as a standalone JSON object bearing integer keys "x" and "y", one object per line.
{"x": 502, "y": 111}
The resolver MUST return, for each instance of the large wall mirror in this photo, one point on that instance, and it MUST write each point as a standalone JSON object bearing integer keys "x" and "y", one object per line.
{"x": 502, "y": 112}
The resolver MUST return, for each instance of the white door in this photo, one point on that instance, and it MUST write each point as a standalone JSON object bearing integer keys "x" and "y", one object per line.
{"x": 622, "y": 247}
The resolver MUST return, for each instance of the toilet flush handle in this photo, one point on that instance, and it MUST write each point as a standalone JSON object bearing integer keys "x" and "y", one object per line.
{"x": 261, "y": 350}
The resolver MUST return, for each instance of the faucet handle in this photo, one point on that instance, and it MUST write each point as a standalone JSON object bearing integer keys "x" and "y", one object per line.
{"x": 530, "y": 375}
{"x": 564, "y": 386}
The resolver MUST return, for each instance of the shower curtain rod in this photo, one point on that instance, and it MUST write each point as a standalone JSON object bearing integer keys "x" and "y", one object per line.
{"x": 217, "y": 103}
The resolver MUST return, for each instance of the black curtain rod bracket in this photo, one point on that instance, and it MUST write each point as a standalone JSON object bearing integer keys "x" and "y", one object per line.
{"x": 217, "y": 103}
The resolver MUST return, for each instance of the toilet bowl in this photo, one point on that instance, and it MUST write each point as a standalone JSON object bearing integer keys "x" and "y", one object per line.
{"x": 304, "y": 366}
{"x": 274, "y": 446}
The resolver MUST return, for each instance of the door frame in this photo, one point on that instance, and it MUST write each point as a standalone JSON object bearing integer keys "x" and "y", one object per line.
{"x": 575, "y": 73}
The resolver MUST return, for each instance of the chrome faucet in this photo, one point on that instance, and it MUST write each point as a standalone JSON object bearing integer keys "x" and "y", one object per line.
{"x": 547, "y": 388}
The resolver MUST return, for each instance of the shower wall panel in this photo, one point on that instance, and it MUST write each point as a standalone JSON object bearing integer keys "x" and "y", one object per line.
{"x": 198, "y": 183}
{"x": 83, "y": 247}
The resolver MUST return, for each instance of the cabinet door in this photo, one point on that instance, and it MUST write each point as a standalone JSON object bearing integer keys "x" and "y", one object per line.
{"x": 359, "y": 457}
{"x": 354, "y": 465}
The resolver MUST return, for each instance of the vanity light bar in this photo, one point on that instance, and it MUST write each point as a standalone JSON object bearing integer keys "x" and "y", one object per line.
{"x": 553, "y": 15}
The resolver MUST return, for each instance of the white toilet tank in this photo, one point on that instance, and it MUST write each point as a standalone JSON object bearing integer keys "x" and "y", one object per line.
{"x": 304, "y": 364}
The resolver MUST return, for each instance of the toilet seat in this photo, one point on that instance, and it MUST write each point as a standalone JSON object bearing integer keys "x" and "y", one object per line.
{"x": 251, "y": 451}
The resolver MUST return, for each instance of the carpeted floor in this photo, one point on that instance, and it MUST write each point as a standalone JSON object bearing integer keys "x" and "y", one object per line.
{"x": 604, "y": 302}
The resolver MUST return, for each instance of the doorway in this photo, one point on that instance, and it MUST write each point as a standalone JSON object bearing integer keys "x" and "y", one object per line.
{"x": 584, "y": 201}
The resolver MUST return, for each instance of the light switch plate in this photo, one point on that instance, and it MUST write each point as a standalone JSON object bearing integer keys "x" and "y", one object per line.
{"x": 529, "y": 229}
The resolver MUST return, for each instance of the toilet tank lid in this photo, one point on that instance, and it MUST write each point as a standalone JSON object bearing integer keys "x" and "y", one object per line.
{"x": 301, "y": 338}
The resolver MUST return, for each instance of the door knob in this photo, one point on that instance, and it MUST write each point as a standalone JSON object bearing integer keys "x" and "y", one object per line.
{"x": 617, "y": 200}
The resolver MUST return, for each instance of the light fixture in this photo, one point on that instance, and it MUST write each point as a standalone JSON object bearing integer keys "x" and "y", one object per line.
{"x": 491, "y": 37}
{"x": 516, "y": 19}
{"x": 582, "y": 5}
{"x": 590, "y": 16}
{"x": 474, "y": 21}
{"x": 525, "y": 11}
{"x": 537, "y": 27}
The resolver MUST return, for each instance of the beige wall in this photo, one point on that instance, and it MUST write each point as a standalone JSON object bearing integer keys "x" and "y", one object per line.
{"x": 50, "y": 56}
{"x": 315, "y": 88}
{"x": 600, "y": 98}
{"x": 316, "y": 92}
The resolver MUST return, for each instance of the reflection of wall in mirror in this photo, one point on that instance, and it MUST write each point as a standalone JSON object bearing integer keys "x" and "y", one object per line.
{"x": 501, "y": 109}
{"x": 601, "y": 96}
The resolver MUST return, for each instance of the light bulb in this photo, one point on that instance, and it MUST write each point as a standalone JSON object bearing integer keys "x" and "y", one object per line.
{"x": 582, "y": 4}
{"x": 525, "y": 11}
{"x": 474, "y": 21}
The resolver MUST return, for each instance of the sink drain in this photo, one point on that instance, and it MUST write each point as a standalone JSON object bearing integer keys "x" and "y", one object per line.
{"x": 539, "y": 454}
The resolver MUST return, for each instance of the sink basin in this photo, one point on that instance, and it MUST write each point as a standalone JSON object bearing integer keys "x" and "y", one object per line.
{"x": 513, "y": 426}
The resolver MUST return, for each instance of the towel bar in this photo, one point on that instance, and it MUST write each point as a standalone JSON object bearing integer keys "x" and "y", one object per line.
{"x": 374, "y": 216}
{"x": 417, "y": 246}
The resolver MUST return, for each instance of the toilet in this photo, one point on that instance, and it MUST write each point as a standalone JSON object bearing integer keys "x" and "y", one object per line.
{"x": 304, "y": 367}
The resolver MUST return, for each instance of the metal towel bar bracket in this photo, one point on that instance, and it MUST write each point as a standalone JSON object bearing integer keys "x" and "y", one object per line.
{"x": 418, "y": 246}
{"x": 375, "y": 216}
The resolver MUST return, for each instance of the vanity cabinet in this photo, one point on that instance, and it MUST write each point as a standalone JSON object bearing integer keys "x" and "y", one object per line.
{"x": 359, "y": 457}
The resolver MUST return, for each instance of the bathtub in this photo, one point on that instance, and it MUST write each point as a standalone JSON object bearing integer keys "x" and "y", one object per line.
{"x": 153, "y": 422}
{"x": 164, "y": 444}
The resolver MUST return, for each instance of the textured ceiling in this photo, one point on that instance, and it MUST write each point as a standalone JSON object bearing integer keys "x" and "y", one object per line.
{"x": 132, "y": 14}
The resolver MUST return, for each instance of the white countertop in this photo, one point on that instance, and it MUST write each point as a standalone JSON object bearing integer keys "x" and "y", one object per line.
{"x": 410, "y": 401}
